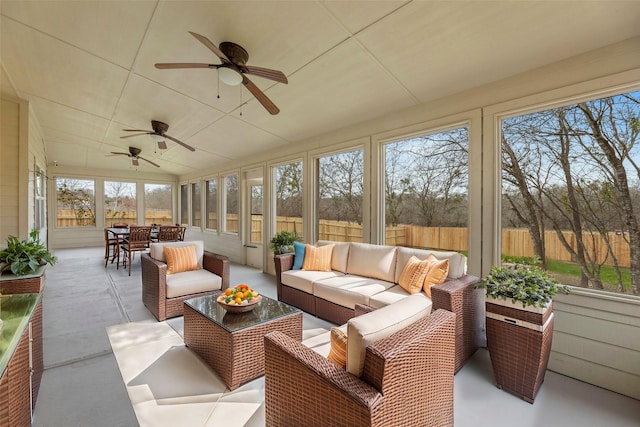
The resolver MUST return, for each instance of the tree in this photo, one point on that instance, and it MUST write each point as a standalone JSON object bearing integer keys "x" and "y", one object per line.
{"x": 341, "y": 186}
{"x": 78, "y": 196}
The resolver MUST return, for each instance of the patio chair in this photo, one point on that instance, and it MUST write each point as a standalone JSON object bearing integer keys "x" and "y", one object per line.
{"x": 138, "y": 240}
{"x": 169, "y": 233}
{"x": 110, "y": 246}
{"x": 407, "y": 380}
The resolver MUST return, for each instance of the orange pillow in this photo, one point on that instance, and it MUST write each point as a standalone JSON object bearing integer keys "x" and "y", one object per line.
{"x": 317, "y": 258}
{"x": 338, "y": 351}
{"x": 181, "y": 259}
{"x": 413, "y": 275}
{"x": 437, "y": 273}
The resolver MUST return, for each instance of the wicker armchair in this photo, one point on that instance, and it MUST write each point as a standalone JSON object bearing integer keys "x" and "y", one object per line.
{"x": 165, "y": 303}
{"x": 407, "y": 380}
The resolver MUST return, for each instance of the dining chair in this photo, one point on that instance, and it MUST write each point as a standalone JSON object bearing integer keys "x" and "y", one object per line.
{"x": 110, "y": 246}
{"x": 169, "y": 233}
{"x": 138, "y": 240}
{"x": 183, "y": 230}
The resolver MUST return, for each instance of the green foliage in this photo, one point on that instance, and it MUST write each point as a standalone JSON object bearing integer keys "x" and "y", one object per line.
{"x": 527, "y": 284}
{"x": 282, "y": 242}
{"x": 24, "y": 257}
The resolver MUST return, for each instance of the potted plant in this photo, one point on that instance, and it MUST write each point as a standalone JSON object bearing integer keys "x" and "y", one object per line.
{"x": 22, "y": 264}
{"x": 519, "y": 321}
{"x": 282, "y": 242}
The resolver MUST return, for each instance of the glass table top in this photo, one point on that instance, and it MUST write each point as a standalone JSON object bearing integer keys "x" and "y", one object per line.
{"x": 265, "y": 311}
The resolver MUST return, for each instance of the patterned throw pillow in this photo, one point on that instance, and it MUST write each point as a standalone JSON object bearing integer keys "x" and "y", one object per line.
{"x": 338, "y": 351}
{"x": 181, "y": 259}
{"x": 438, "y": 271}
{"x": 317, "y": 258}
{"x": 413, "y": 275}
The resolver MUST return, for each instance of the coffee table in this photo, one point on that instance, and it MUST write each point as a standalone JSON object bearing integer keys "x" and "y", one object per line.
{"x": 233, "y": 343}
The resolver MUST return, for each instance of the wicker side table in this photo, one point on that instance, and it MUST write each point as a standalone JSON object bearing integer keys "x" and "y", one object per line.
{"x": 233, "y": 344}
{"x": 519, "y": 343}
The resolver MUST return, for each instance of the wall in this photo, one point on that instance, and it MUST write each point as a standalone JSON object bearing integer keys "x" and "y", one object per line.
{"x": 9, "y": 170}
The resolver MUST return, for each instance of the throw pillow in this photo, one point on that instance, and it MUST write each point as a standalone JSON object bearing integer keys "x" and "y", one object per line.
{"x": 438, "y": 271}
{"x": 317, "y": 258}
{"x": 181, "y": 259}
{"x": 413, "y": 275}
{"x": 299, "y": 250}
{"x": 338, "y": 352}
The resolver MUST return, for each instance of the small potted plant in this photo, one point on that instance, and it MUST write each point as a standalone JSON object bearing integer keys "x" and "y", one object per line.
{"x": 519, "y": 322}
{"x": 282, "y": 242}
{"x": 22, "y": 264}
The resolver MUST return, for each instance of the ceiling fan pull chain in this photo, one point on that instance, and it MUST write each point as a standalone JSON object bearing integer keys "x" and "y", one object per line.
{"x": 241, "y": 104}
{"x": 218, "y": 80}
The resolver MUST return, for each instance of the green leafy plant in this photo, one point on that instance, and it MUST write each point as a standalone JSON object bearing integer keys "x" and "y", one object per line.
{"x": 282, "y": 242}
{"x": 24, "y": 257}
{"x": 527, "y": 284}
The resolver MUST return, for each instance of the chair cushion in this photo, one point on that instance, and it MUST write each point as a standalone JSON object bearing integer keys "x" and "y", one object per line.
{"x": 381, "y": 323}
{"x": 338, "y": 350}
{"x": 181, "y": 259}
{"x": 317, "y": 258}
{"x": 413, "y": 275}
{"x": 378, "y": 262}
{"x": 156, "y": 250}
{"x": 299, "y": 250}
{"x": 192, "y": 282}
{"x": 437, "y": 273}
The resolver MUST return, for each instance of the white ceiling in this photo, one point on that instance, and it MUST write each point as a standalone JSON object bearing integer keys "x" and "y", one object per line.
{"x": 87, "y": 67}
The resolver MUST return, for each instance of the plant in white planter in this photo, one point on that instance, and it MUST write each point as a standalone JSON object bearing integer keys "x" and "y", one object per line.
{"x": 524, "y": 285}
{"x": 22, "y": 257}
{"x": 282, "y": 242}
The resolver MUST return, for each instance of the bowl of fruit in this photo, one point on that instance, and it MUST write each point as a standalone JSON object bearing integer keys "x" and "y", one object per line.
{"x": 239, "y": 299}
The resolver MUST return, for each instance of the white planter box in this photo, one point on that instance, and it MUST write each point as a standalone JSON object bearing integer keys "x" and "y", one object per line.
{"x": 518, "y": 305}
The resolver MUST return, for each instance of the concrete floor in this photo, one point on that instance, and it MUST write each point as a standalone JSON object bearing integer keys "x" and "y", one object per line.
{"x": 82, "y": 385}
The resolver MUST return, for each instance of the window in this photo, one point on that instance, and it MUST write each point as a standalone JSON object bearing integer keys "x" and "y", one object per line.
{"x": 195, "y": 205}
{"x": 211, "y": 204}
{"x": 184, "y": 204}
{"x": 158, "y": 204}
{"x": 75, "y": 202}
{"x": 288, "y": 193}
{"x": 120, "y": 203}
{"x": 571, "y": 192}
{"x": 231, "y": 203}
{"x": 256, "y": 206}
{"x": 340, "y": 192}
{"x": 40, "y": 199}
{"x": 425, "y": 191}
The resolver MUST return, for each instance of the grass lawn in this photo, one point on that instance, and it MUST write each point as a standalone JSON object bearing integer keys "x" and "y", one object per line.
{"x": 569, "y": 273}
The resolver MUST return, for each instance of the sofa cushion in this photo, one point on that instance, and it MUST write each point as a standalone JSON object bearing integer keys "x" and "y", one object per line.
{"x": 390, "y": 296}
{"x": 349, "y": 290}
{"x": 181, "y": 259}
{"x": 191, "y": 282}
{"x": 303, "y": 280}
{"x": 298, "y": 258}
{"x": 381, "y": 323}
{"x": 375, "y": 261}
{"x": 317, "y": 258}
{"x": 457, "y": 261}
{"x": 413, "y": 274}
{"x": 437, "y": 273}
{"x": 338, "y": 348}
{"x": 340, "y": 254}
{"x": 156, "y": 250}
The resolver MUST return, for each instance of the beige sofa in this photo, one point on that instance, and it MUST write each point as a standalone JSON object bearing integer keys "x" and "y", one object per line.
{"x": 368, "y": 274}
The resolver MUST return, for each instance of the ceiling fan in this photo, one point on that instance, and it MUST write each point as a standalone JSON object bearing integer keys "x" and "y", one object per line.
{"x": 134, "y": 155}
{"x": 233, "y": 69}
{"x": 159, "y": 135}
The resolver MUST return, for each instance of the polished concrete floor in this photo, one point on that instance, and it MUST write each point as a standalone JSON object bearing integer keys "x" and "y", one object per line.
{"x": 82, "y": 384}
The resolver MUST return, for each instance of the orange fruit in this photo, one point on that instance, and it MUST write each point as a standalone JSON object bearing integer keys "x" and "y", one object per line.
{"x": 239, "y": 294}
{"x": 227, "y": 292}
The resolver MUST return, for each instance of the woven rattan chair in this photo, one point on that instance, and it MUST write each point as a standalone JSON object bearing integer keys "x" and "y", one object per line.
{"x": 164, "y": 298}
{"x": 407, "y": 380}
{"x": 137, "y": 241}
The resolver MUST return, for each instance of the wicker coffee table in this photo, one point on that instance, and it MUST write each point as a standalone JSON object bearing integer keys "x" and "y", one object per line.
{"x": 233, "y": 343}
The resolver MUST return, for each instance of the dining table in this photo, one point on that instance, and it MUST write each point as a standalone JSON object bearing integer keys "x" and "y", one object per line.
{"x": 122, "y": 233}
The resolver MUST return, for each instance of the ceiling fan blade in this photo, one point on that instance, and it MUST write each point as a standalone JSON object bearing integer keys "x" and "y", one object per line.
{"x": 188, "y": 147}
{"x": 260, "y": 96}
{"x": 172, "y": 65}
{"x": 136, "y": 130}
{"x": 212, "y": 47}
{"x": 137, "y": 134}
{"x": 162, "y": 145}
{"x": 265, "y": 73}
{"x": 120, "y": 153}
{"x": 135, "y": 162}
{"x": 148, "y": 161}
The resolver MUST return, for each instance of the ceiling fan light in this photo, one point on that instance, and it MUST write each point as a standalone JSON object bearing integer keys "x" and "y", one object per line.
{"x": 230, "y": 76}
